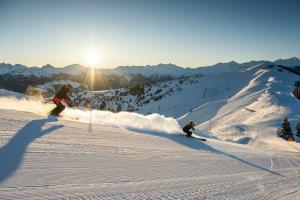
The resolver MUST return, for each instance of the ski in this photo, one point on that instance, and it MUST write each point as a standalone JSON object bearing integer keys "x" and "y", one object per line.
{"x": 199, "y": 138}
{"x": 196, "y": 137}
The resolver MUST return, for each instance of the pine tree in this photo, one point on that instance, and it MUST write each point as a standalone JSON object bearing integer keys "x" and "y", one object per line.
{"x": 286, "y": 131}
{"x": 298, "y": 128}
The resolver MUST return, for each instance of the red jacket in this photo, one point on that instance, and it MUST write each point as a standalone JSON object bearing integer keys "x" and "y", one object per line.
{"x": 58, "y": 100}
{"x": 62, "y": 95}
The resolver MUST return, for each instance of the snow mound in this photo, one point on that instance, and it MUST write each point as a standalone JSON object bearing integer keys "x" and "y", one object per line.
{"x": 153, "y": 122}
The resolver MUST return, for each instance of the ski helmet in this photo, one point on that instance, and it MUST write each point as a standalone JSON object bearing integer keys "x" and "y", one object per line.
{"x": 69, "y": 88}
{"x": 192, "y": 123}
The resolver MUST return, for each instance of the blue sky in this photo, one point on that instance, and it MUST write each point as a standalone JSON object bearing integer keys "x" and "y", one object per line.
{"x": 188, "y": 33}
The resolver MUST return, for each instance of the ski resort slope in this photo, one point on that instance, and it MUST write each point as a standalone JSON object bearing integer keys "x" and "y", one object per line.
{"x": 210, "y": 88}
{"x": 254, "y": 113}
{"x": 46, "y": 158}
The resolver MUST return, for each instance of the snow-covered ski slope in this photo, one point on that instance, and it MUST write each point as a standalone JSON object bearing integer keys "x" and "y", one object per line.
{"x": 207, "y": 89}
{"x": 254, "y": 112}
{"x": 45, "y": 158}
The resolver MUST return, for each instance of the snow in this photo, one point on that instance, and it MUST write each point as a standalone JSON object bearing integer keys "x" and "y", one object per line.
{"x": 7, "y": 93}
{"x": 148, "y": 70}
{"x": 160, "y": 69}
{"x": 130, "y": 120}
{"x": 211, "y": 90}
{"x": 254, "y": 112}
{"x": 50, "y": 85}
{"x": 181, "y": 96}
{"x": 93, "y": 154}
{"x": 45, "y": 71}
{"x": 171, "y": 98}
{"x": 46, "y": 158}
{"x": 290, "y": 62}
{"x": 233, "y": 106}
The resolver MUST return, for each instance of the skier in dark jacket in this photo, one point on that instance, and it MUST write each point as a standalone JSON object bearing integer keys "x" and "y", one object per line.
{"x": 61, "y": 96}
{"x": 187, "y": 128}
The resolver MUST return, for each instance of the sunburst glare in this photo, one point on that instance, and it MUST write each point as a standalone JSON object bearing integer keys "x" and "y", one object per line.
{"x": 92, "y": 58}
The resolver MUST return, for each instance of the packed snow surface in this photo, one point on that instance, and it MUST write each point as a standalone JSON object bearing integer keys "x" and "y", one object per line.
{"x": 92, "y": 154}
{"x": 46, "y": 158}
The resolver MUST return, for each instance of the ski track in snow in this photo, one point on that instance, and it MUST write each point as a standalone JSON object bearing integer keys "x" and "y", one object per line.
{"x": 71, "y": 162}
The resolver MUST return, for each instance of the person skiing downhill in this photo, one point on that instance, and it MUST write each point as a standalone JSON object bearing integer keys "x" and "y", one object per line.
{"x": 187, "y": 128}
{"x": 61, "y": 96}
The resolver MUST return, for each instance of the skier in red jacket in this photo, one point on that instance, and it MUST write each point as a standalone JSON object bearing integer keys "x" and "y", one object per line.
{"x": 61, "y": 96}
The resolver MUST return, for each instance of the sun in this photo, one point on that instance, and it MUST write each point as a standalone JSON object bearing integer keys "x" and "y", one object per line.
{"x": 92, "y": 58}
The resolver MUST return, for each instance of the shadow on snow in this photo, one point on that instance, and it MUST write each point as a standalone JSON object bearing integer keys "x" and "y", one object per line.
{"x": 196, "y": 144}
{"x": 11, "y": 155}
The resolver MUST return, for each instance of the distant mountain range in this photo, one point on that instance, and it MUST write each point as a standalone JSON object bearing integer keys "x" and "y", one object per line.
{"x": 148, "y": 70}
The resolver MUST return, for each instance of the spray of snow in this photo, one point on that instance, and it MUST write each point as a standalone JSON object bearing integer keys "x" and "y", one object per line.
{"x": 25, "y": 104}
{"x": 153, "y": 122}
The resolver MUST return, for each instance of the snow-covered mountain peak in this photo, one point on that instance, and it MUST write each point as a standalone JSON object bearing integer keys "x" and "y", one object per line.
{"x": 170, "y": 65}
{"x": 47, "y": 66}
{"x": 290, "y": 62}
{"x": 148, "y": 70}
{"x": 226, "y": 63}
{"x": 294, "y": 58}
{"x": 232, "y": 63}
{"x": 75, "y": 66}
{"x": 20, "y": 66}
{"x": 9, "y": 68}
{"x": 160, "y": 65}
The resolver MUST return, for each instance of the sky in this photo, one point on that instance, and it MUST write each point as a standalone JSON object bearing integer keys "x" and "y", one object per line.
{"x": 188, "y": 33}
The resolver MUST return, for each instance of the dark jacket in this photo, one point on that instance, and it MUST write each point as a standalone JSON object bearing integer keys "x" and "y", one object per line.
{"x": 188, "y": 127}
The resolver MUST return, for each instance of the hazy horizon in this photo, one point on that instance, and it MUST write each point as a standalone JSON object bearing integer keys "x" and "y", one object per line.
{"x": 103, "y": 67}
{"x": 190, "y": 33}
